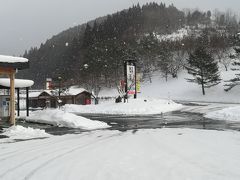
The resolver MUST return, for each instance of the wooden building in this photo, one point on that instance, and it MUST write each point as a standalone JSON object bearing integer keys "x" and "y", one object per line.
{"x": 51, "y": 99}
{"x": 8, "y": 67}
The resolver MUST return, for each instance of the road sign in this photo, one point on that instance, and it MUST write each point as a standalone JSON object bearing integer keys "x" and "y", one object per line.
{"x": 131, "y": 84}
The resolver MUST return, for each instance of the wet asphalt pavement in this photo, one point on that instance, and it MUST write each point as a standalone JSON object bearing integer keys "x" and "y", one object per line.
{"x": 175, "y": 119}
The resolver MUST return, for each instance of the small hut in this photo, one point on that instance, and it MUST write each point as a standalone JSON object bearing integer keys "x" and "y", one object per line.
{"x": 50, "y": 98}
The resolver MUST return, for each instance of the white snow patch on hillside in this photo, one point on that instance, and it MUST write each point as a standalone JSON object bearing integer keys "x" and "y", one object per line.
{"x": 19, "y": 132}
{"x": 134, "y": 107}
{"x": 227, "y": 114}
{"x": 60, "y": 118}
{"x": 178, "y": 35}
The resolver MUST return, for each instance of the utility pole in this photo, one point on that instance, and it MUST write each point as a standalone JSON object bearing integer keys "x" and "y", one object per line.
{"x": 126, "y": 81}
{"x": 59, "y": 90}
{"x": 12, "y": 97}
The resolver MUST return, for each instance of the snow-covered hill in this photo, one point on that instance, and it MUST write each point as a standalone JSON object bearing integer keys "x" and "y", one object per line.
{"x": 180, "y": 89}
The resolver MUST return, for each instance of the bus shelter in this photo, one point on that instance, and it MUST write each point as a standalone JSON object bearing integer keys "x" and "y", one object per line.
{"x": 20, "y": 84}
{"x": 9, "y": 66}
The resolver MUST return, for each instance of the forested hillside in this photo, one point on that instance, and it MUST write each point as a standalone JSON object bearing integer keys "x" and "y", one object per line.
{"x": 159, "y": 37}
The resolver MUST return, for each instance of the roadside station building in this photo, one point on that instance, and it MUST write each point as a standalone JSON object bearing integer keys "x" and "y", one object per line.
{"x": 9, "y": 66}
{"x": 20, "y": 84}
{"x": 50, "y": 98}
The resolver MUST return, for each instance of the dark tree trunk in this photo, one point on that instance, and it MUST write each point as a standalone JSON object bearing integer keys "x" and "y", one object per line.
{"x": 150, "y": 79}
{"x": 203, "y": 90}
{"x": 226, "y": 68}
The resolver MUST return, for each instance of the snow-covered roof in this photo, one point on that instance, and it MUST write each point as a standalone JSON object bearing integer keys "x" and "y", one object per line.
{"x": 19, "y": 83}
{"x": 11, "y": 59}
{"x": 34, "y": 94}
{"x": 50, "y": 92}
{"x": 74, "y": 91}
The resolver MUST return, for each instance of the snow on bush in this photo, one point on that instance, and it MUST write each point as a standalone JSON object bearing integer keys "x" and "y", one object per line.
{"x": 133, "y": 107}
{"x": 227, "y": 114}
{"x": 64, "y": 119}
{"x": 19, "y": 132}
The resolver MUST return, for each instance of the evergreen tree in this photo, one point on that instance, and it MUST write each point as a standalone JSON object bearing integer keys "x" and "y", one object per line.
{"x": 148, "y": 48}
{"x": 88, "y": 36}
{"x": 165, "y": 60}
{"x": 235, "y": 81}
{"x": 204, "y": 69}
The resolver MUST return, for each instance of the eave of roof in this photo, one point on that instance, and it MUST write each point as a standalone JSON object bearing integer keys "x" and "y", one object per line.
{"x": 20, "y": 66}
{"x": 19, "y": 83}
{"x": 13, "y": 62}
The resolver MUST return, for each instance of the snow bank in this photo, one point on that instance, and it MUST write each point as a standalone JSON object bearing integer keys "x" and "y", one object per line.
{"x": 19, "y": 132}
{"x": 64, "y": 119}
{"x": 204, "y": 108}
{"x": 108, "y": 92}
{"x": 227, "y": 114}
{"x": 133, "y": 107}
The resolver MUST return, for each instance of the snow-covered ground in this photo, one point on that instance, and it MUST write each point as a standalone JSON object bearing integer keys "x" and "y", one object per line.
{"x": 134, "y": 106}
{"x": 64, "y": 119}
{"x": 160, "y": 154}
{"x": 204, "y": 108}
{"x": 226, "y": 114}
{"x": 180, "y": 89}
{"x": 19, "y": 132}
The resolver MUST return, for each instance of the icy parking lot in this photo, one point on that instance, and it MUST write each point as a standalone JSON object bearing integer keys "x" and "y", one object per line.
{"x": 135, "y": 154}
{"x": 176, "y": 145}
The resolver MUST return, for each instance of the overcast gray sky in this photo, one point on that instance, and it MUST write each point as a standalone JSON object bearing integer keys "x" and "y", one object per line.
{"x": 26, "y": 23}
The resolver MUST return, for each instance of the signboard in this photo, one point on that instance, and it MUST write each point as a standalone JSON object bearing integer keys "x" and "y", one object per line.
{"x": 131, "y": 86}
{"x": 138, "y": 83}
